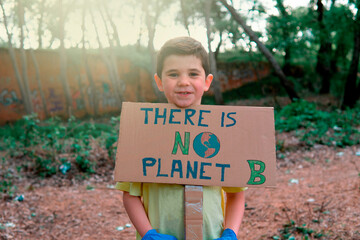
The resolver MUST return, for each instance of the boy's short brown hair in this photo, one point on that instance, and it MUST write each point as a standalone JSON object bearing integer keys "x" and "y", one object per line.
{"x": 182, "y": 46}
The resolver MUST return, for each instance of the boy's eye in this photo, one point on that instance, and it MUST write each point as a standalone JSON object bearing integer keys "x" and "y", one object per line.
{"x": 193, "y": 74}
{"x": 173, "y": 74}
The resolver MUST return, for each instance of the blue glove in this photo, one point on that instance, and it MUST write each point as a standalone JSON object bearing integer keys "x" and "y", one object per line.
{"x": 154, "y": 235}
{"x": 227, "y": 234}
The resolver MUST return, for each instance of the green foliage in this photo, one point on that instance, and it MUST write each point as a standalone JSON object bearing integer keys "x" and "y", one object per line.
{"x": 256, "y": 90}
{"x": 6, "y": 184}
{"x": 313, "y": 126}
{"x": 44, "y": 144}
{"x": 290, "y": 229}
{"x": 268, "y": 86}
{"x": 290, "y": 31}
{"x": 295, "y": 35}
{"x": 239, "y": 56}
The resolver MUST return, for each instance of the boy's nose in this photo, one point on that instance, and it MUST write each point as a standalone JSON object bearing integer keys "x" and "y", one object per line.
{"x": 183, "y": 81}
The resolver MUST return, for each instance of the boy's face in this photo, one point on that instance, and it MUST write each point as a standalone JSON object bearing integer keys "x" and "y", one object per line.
{"x": 183, "y": 80}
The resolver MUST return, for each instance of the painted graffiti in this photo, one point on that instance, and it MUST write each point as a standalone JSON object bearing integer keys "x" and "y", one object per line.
{"x": 107, "y": 97}
{"x": 56, "y": 103}
{"x": 77, "y": 101}
{"x": 36, "y": 101}
{"x": 8, "y": 98}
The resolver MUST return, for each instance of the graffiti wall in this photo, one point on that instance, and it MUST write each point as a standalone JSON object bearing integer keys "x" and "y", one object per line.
{"x": 134, "y": 81}
{"x": 135, "y": 84}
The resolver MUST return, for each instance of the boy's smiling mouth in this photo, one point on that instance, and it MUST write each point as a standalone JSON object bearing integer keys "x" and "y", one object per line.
{"x": 183, "y": 93}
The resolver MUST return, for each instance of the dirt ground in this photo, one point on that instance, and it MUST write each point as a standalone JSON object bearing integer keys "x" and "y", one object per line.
{"x": 318, "y": 187}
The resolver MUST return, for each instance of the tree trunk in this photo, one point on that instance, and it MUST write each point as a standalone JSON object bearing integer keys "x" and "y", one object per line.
{"x": 151, "y": 28}
{"x": 23, "y": 58}
{"x": 14, "y": 62}
{"x": 339, "y": 54}
{"x": 216, "y": 85}
{"x": 63, "y": 60}
{"x": 352, "y": 91}
{"x": 287, "y": 58}
{"x": 40, "y": 23}
{"x": 287, "y": 84}
{"x": 217, "y": 50}
{"x": 323, "y": 66}
{"x": 93, "y": 101}
{"x": 184, "y": 16}
{"x": 107, "y": 62}
{"x": 37, "y": 73}
{"x": 112, "y": 57}
{"x": 254, "y": 62}
{"x": 112, "y": 24}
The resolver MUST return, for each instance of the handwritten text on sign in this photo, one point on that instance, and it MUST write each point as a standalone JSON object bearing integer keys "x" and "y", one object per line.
{"x": 204, "y": 145}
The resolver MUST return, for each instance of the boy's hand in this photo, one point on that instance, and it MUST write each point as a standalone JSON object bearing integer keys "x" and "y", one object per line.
{"x": 227, "y": 234}
{"x": 154, "y": 235}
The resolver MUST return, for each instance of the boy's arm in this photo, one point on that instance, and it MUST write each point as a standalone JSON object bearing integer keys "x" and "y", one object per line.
{"x": 136, "y": 212}
{"x": 234, "y": 211}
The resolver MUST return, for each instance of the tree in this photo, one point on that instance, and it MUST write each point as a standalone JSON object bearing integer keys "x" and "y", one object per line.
{"x": 24, "y": 88}
{"x": 152, "y": 11}
{"x": 93, "y": 93}
{"x": 341, "y": 21}
{"x": 23, "y": 59}
{"x": 287, "y": 84}
{"x": 352, "y": 88}
{"x": 41, "y": 8}
{"x": 216, "y": 82}
{"x": 323, "y": 66}
{"x": 108, "y": 62}
{"x": 28, "y": 8}
{"x": 185, "y": 15}
{"x": 38, "y": 80}
{"x": 112, "y": 58}
{"x": 36, "y": 65}
{"x": 111, "y": 21}
{"x": 62, "y": 53}
{"x": 226, "y": 27}
{"x": 286, "y": 34}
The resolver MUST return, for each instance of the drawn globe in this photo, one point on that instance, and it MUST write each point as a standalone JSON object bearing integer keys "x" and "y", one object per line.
{"x": 206, "y": 145}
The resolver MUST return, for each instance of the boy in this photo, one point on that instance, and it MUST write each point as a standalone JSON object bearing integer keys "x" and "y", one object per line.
{"x": 183, "y": 75}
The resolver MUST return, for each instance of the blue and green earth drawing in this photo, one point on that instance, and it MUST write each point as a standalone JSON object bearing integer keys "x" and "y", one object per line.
{"x": 206, "y": 145}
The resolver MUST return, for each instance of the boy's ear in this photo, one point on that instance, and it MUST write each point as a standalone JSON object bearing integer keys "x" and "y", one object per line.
{"x": 158, "y": 82}
{"x": 208, "y": 81}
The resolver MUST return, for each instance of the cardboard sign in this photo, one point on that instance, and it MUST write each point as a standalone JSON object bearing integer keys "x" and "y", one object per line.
{"x": 204, "y": 145}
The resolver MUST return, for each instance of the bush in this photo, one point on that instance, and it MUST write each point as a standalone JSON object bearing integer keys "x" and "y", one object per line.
{"x": 338, "y": 128}
{"x": 252, "y": 90}
{"x": 44, "y": 142}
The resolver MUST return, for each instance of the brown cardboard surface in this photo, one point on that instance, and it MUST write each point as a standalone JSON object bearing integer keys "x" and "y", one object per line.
{"x": 193, "y": 220}
{"x": 216, "y": 145}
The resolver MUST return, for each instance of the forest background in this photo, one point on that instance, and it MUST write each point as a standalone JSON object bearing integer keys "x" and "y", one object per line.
{"x": 84, "y": 52}
{"x": 311, "y": 49}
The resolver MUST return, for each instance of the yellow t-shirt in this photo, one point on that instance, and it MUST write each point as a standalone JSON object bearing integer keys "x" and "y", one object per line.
{"x": 164, "y": 205}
